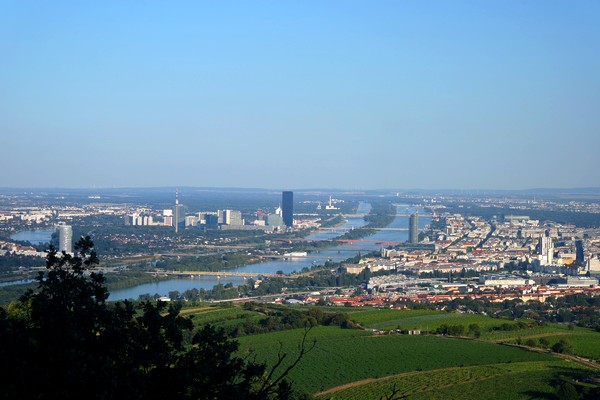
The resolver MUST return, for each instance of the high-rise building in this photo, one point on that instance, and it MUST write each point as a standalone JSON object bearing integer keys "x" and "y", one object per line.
{"x": 546, "y": 248}
{"x": 413, "y": 228}
{"x": 232, "y": 217}
{"x": 65, "y": 238}
{"x": 179, "y": 219}
{"x": 168, "y": 217}
{"x": 287, "y": 205}
{"x": 274, "y": 220}
{"x": 191, "y": 220}
{"x": 211, "y": 221}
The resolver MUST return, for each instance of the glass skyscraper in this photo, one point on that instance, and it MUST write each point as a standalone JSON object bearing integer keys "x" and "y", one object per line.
{"x": 287, "y": 206}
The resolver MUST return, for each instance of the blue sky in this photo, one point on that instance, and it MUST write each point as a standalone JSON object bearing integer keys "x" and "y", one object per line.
{"x": 282, "y": 94}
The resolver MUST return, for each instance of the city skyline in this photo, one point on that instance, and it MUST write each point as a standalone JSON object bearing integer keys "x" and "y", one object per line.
{"x": 349, "y": 95}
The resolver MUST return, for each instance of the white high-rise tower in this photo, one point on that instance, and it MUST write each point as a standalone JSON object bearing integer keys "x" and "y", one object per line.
{"x": 65, "y": 238}
{"x": 546, "y": 250}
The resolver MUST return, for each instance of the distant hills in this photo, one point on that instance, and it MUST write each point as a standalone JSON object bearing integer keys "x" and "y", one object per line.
{"x": 142, "y": 191}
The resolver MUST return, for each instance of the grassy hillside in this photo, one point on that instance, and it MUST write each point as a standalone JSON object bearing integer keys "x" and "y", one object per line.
{"x": 523, "y": 380}
{"x": 343, "y": 356}
{"x": 418, "y": 319}
{"x": 586, "y": 342}
{"x": 420, "y": 367}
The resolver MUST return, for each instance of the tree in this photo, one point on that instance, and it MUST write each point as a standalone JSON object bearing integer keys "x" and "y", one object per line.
{"x": 393, "y": 395}
{"x": 65, "y": 341}
{"x": 562, "y": 346}
{"x": 531, "y": 343}
{"x": 566, "y": 391}
{"x": 456, "y": 330}
{"x": 475, "y": 329}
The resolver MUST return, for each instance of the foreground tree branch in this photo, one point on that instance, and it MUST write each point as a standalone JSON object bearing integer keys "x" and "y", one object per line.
{"x": 279, "y": 385}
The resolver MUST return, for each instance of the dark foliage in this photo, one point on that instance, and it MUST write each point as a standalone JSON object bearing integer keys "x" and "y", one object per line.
{"x": 12, "y": 261}
{"x": 64, "y": 341}
{"x": 562, "y": 346}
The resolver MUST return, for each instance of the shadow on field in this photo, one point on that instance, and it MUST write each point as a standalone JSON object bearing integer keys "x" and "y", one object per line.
{"x": 534, "y": 394}
{"x": 560, "y": 374}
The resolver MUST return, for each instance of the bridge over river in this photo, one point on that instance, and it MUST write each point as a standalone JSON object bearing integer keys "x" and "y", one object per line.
{"x": 393, "y": 215}
{"x": 363, "y": 227}
{"x": 218, "y": 274}
{"x": 316, "y": 256}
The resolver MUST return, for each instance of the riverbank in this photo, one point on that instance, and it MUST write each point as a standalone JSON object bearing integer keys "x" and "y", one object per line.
{"x": 126, "y": 279}
{"x": 114, "y": 281}
{"x": 381, "y": 215}
{"x": 333, "y": 222}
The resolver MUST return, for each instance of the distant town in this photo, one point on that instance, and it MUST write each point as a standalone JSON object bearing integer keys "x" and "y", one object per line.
{"x": 452, "y": 246}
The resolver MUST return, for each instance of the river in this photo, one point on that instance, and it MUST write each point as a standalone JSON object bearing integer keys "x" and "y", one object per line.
{"x": 35, "y": 236}
{"x": 337, "y": 253}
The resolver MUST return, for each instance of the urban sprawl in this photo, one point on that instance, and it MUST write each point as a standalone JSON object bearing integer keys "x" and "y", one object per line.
{"x": 457, "y": 255}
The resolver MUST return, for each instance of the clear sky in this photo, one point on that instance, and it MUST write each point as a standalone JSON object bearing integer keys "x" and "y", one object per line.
{"x": 300, "y": 94}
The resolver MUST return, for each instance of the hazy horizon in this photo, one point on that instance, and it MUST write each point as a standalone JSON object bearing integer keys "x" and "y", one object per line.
{"x": 300, "y": 189}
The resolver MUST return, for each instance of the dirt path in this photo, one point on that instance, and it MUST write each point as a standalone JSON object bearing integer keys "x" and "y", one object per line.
{"x": 567, "y": 357}
{"x": 370, "y": 380}
{"x": 539, "y": 335}
{"x": 198, "y": 310}
{"x": 411, "y": 373}
{"x": 579, "y": 360}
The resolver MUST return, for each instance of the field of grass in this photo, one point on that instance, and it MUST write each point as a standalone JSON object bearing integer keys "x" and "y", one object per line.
{"x": 214, "y": 315}
{"x": 428, "y": 320}
{"x": 226, "y": 317}
{"x": 523, "y": 380}
{"x": 432, "y": 322}
{"x": 533, "y": 332}
{"x": 422, "y": 367}
{"x": 371, "y": 317}
{"x": 343, "y": 356}
{"x": 586, "y": 342}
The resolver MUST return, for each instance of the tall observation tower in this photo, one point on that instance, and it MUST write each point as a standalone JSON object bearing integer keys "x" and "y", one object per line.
{"x": 177, "y": 210}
